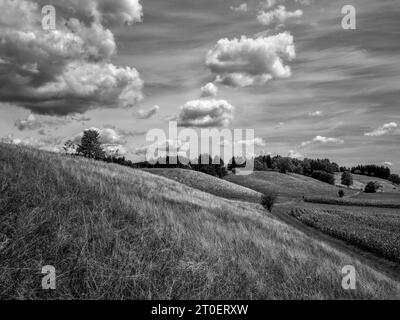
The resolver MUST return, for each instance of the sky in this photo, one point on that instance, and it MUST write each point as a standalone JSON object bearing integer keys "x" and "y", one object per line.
{"x": 285, "y": 68}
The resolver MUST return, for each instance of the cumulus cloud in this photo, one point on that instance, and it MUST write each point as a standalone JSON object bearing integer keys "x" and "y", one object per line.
{"x": 240, "y": 8}
{"x": 205, "y": 113}
{"x": 317, "y": 113}
{"x": 81, "y": 76}
{"x": 385, "y": 129}
{"x": 209, "y": 90}
{"x": 147, "y": 114}
{"x": 246, "y": 61}
{"x": 322, "y": 140}
{"x": 108, "y": 136}
{"x": 295, "y": 155}
{"x": 388, "y": 163}
{"x": 277, "y": 16}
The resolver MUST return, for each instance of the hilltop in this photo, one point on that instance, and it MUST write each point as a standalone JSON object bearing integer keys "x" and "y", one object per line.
{"x": 113, "y": 232}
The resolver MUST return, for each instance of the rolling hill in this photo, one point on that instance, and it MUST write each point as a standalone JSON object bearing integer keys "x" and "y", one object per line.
{"x": 210, "y": 184}
{"x": 113, "y": 232}
{"x": 360, "y": 181}
{"x": 288, "y": 186}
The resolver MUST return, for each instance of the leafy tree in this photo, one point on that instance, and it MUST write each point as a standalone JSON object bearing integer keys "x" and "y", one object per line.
{"x": 268, "y": 200}
{"x": 90, "y": 146}
{"x": 394, "y": 178}
{"x": 347, "y": 179}
{"x": 371, "y": 187}
{"x": 324, "y": 176}
{"x": 341, "y": 193}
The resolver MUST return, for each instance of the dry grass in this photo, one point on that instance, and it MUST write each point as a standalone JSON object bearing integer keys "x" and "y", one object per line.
{"x": 117, "y": 233}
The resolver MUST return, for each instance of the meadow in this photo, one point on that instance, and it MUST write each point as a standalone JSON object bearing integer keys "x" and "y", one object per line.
{"x": 113, "y": 232}
{"x": 210, "y": 184}
{"x": 287, "y": 186}
{"x": 376, "y": 230}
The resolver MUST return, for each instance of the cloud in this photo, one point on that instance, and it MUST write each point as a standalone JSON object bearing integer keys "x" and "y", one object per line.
{"x": 147, "y": 114}
{"x": 322, "y": 140}
{"x": 171, "y": 147}
{"x": 29, "y": 123}
{"x": 209, "y": 90}
{"x": 385, "y": 129}
{"x": 108, "y": 136}
{"x": 277, "y": 16}
{"x": 295, "y": 155}
{"x": 33, "y": 122}
{"x": 316, "y": 114}
{"x": 205, "y": 113}
{"x": 388, "y": 164}
{"x": 259, "y": 142}
{"x": 48, "y": 143}
{"x": 81, "y": 76}
{"x": 240, "y": 8}
{"x": 246, "y": 62}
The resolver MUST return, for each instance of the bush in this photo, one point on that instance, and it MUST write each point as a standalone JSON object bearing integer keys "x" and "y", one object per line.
{"x": 371, "y": 187}
{"x": 324, "y": 176}
{"x": 268, "y": 201}
{"x": 341, "y": 193}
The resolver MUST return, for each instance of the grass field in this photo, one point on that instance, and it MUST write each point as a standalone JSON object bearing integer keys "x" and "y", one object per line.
{"x": 376, "y": 230}
{"x": 360, "y": 181}
{"x": 117, "y": 233}
{"x": 288, "y": 186}
{"x": 210, "y": 184}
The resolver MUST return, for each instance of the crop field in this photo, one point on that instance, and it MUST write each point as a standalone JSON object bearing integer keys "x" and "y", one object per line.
{"x": 376, "y": 230}
{"x": 390, "y": 202}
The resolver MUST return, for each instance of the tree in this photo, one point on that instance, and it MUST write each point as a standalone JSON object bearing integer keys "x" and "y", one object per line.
{"x": 341, "y": 193}
{"x": 371, "y": 187}
{"x": 323, "y": 176}
{"x": 394, "y": 178}
{"x": 347, "y": 179}
{"x": 90, "y": 146}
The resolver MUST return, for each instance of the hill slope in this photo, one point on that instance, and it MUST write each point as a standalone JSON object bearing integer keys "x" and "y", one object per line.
{"x": 116, "y": 233}
{"x": 360, "y": 181}
{"x": 288, "y": 186}
{"x": 210, "y": 184}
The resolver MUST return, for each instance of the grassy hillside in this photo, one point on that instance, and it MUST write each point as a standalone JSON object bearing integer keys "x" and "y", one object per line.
{"x": 210, "y": 184}
{"x": 360, "y": 181}
{"x": 288, "y": 186}
{"x": 114, "y": 232}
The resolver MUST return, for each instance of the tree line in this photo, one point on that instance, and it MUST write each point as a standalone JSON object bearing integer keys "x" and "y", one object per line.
{"x": 320, "y": 169}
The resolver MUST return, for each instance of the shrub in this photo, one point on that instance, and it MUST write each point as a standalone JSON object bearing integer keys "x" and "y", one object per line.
{"x": 371, "y": 187}
{"x": 324, "y": 176}
{"x": 341, "y": 193}
{"x": 268, "y": 200}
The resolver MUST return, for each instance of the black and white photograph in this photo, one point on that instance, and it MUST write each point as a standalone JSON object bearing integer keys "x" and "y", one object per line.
{"x": 213, "y": 153}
